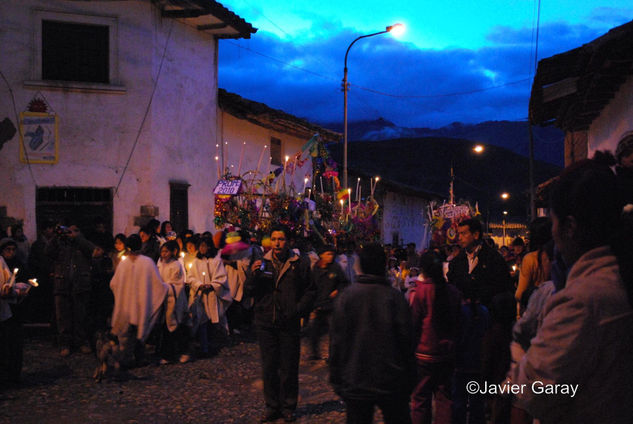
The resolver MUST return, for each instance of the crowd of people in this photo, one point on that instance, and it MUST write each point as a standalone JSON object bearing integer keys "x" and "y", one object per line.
{"x": 410, "y": 332}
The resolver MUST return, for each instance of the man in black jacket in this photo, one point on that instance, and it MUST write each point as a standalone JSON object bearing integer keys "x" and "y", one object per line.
{"x": 329, "y": 279}
{"x": 482, "y": 270}
{"x": 372, "y": 358}
{"x": 478, "y": 267}
{"x": 280, "y": 285}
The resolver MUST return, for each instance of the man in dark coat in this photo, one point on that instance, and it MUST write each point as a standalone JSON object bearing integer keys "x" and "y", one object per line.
{"x": 478, "y": 266}
{"x": 329, "y": 279}
{"x": 281, "y": 287}
{"x": 482, "y": 270}
{"x": 72, "y": 255}
{"x": 372, "y": 358}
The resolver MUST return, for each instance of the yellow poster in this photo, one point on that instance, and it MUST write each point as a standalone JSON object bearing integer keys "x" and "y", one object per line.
{"x": 39, "y": 142}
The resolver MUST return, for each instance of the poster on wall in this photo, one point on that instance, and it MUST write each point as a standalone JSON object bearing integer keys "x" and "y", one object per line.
{"x": 39, "y": 142}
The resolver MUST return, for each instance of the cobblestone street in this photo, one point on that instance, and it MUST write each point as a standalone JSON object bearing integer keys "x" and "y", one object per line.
{"x": 226, "y": 388}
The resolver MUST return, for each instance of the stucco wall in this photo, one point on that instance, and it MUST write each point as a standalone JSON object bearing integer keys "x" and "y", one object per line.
{"x": 615, "y": 120}
{"x": 237, "y": 131}
{"x": 407, "y": 216}
{"x": 97, "y": 130}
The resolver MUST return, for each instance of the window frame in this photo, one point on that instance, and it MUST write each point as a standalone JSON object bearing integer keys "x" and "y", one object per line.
{"x": 38, "y": 16}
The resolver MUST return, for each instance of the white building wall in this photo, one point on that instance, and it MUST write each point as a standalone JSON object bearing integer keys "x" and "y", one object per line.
{"x": 614, "y": 121}
{"x": 406, "y": 215}
{"x": 97, "y": 129}
{"x": 237, "y": 131}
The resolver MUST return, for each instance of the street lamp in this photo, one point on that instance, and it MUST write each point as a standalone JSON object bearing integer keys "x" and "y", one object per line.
{"x": 478, "y": 149}
{"x": 397, "y": 30}
{"x": 505, "y": 196}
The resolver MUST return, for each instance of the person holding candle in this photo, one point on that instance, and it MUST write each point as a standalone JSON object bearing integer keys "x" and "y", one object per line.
{"x": 139, "y": 294}
{"x": 11, "y": 337}
{"x": 209, "y": 292}
{"x": 175, "y": 332}
{"x": 9, "y": 252}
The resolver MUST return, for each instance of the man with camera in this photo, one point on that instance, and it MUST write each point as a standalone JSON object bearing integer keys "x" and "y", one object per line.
{"x": 280, "y": 285}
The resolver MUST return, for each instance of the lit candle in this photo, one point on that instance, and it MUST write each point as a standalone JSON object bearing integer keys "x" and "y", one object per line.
{"x": 239, "y": 166}
{"x": 259, "y": 162}
{"x": 12, "y": 279}
{"x": 305, "y": 182}
{"x": 342, "y": 206}
{"x": 182, "y": 254}
{"x": 321, "y": 180}
{"x": 204, "y": 277}
{"x": 373, "y": 189}
{"x": 123, "y": 257}
{"x": 33, "y": 282}
{"x": 294, "y": 166}
{"x": 225, "y": 154}
{"x": 349, "y": 201}
{"x": 217, "y": 159}
{"x": 357, "y": 186}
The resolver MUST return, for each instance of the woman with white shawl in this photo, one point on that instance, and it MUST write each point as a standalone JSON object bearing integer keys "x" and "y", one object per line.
{"x": 139, "y": 295}
{"x": 175, "y": 334}
{"x": 209, "y": 292}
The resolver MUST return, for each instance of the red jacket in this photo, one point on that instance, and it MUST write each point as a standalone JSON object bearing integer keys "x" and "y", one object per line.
{"x": 434, "y": 344}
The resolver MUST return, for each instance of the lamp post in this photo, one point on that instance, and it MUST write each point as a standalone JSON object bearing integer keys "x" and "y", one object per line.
{"x": 398, "y": 29}
{"x": 505, "y": 214}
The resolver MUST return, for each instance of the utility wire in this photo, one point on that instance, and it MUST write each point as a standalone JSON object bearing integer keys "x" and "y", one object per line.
{"x": 17, "y": 120}
{"x": 147, "y": 109}
{"x": 401, "y": 96}
{"x": 432, "y": 96}
{"x": 282, "y": 62}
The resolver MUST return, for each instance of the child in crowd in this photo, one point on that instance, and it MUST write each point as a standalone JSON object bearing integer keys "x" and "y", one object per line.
{"x": 175, "y": 331}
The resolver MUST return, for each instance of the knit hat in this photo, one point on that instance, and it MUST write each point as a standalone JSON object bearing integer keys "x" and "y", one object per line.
{"x": 234, "y": 244}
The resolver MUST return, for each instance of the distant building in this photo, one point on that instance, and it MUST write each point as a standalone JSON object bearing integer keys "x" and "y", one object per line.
{"x": 258, "y": 125}
{"x": 588, "y": 93}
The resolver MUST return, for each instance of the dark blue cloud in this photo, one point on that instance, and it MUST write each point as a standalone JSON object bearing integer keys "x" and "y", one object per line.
{"x": 429, "y": 88}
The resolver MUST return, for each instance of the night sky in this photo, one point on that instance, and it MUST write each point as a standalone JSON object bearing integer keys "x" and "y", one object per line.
{"x": 458, "y": 61}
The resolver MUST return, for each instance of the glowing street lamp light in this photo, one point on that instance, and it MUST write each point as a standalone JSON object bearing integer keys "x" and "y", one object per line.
{"x": 396, "y": 30}
{"x": 478, "y": 148}
{"x": 505, "y": 196}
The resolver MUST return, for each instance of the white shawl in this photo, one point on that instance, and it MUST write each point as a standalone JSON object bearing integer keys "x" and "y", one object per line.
{"x": 139, "y": 294}
{"x": 237, "y": 277}
{"x": 208, "y": 304}
{"x": 176, "y": 305}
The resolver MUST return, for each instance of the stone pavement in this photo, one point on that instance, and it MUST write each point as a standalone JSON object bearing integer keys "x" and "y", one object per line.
{"x": 226, "y": 388}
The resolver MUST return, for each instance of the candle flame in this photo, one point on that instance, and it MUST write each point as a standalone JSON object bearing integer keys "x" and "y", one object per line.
{"x": 182, "y": 254}
{"x": 190, "y": 265}
{"x": 123, "y": 257}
